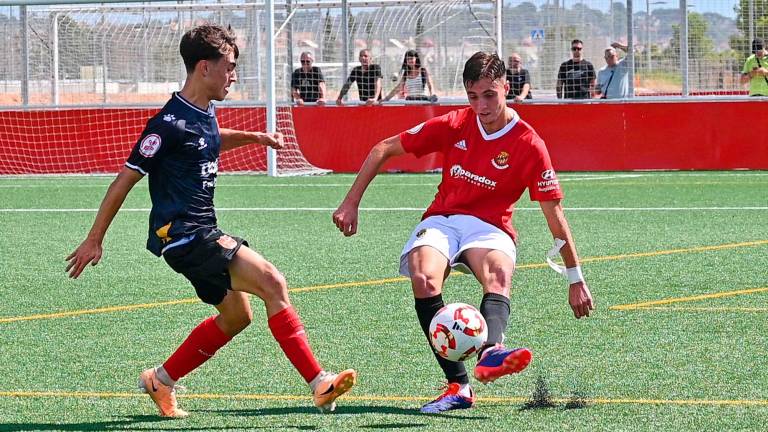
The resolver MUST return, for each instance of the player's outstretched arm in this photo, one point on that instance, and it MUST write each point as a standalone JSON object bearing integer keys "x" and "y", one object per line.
{"x": 345, "y": 217}
{"x": 231, "y": 139}
{"x": 89, "y": 250}
{"x": 579, "y": 296}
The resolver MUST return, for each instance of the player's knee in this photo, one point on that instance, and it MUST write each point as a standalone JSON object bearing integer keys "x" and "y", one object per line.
{"x": 274, "y": 284}
{"x": 499, "y": 280}
{"x": 425, "y": 285}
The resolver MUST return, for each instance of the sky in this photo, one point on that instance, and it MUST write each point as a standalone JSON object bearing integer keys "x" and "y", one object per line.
{"x": 722, "y": 7}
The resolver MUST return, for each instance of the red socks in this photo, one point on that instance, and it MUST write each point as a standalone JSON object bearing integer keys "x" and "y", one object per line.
{"x": 289, "y": 332}
{"x": 201, "y": 344}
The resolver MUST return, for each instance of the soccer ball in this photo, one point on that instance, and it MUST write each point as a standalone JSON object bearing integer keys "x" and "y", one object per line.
{"x": 457, "y": 331}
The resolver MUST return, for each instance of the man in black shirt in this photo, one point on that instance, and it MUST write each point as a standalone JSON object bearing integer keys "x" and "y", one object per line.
{"x": 368, "y": 78}
{"x": 576, "y": 77}
{"x": 307, "y": 82}
{"x": 519, "y": 80}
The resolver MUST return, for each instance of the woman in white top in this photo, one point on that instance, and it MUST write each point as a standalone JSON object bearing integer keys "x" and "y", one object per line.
{"x": 414, "y": 80}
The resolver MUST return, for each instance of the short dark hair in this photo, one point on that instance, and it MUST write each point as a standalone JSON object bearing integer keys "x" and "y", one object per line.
{"x": 757, "y": 44}
{"x": 576, "y": 41}
{"x": 207, "y": 42}
{"x": 483, "y": 65}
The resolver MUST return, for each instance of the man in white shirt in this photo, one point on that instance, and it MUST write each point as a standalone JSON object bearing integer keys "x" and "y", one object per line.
{"x": 613, "y": 79}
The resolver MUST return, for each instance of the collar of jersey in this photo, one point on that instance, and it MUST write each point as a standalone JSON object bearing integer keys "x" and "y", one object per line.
{"x": 191, "y": 105}
{"x": 499, "y": 133}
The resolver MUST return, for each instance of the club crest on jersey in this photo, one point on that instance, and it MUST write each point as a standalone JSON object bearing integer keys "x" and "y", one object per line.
{"x": 501, "y": 160}
{"x": 414, "y": 130}
{"x": 150, "y": 145}
{"x": 201, "y": 144}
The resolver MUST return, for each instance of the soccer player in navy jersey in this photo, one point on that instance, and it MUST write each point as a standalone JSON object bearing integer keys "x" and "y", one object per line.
{"x": 490, "y": 156}
{"x": 179, "y": 150}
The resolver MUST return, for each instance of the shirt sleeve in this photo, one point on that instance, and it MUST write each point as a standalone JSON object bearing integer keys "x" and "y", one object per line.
{"x": 295, "y": 80}
{"x": 320, "y": 77}
{"x": 747, "y": 66}
{"x": 377, "y": 71}
{"x": 158, "y": 138}
{"x": 590, "y": 71}
{"x": 427, "y": 137}
{"x": 526, "y": 77}
{"x": 543, "y": 184}
{"x": 561, "y": 72}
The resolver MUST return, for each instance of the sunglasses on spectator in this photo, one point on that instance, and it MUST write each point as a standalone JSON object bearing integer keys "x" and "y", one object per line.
{"x": 306, "y": 61}
{"x": 576, "y": 48}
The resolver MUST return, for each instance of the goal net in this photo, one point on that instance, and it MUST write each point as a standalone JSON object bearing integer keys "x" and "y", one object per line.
{"x": 95, "y": 73}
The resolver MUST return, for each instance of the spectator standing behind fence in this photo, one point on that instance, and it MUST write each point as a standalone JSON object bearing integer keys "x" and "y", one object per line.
{"x": 414, "y": 80}
{"x": 368, "y": 78}
{"x": 755, "y": 71}
{"x": 519, "y": 80}
{"x": 613, "y": 79}
{"x": 576, "y": 77}
{"x": 307, "y": 82}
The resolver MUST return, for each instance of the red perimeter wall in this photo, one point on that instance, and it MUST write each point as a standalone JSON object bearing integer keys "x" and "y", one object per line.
{"x": 580, "y": 137}
{"x": 710, "y": 135}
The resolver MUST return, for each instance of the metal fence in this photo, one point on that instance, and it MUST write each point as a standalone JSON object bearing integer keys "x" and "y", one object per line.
{"x": 127, "y": 53}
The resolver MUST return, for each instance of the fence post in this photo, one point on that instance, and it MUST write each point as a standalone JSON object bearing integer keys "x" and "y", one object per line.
{"x": 24, "y": 55}
{"x": 684, "y": 45}
{"x": 271, "y": 105}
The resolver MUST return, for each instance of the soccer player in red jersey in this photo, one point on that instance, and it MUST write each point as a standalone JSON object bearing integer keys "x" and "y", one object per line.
{"x": 179, "y": 151}
{"x": 490, "y": 156}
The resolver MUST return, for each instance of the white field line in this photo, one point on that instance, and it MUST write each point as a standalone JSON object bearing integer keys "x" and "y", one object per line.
{"x": 290, "y": 185}
{"x": 392, "y": 209}
{"x": 56, "y": 181}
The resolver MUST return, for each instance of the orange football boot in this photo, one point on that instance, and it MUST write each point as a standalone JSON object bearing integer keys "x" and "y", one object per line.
{"x": 331, "y": 386}
{"x": 164, "y": 396}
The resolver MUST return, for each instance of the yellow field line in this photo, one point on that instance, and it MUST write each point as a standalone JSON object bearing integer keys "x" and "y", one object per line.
{"x": 97, "y": 311}
{"x": 705, "y": 309}
{"x": 379, "y": 282}
{"x": 374, "y": 398}
{"x": 645, "y": 305}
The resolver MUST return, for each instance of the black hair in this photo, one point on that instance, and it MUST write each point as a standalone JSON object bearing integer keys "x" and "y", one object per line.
{"x": 207, "y": 42}
{"x": 757, "y": 44}
{"x": 483, "y": 65}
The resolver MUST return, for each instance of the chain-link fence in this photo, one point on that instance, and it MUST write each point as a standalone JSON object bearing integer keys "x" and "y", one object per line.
{"x": 77, "y": 54}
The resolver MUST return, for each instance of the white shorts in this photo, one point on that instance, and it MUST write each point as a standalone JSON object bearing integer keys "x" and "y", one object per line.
{"x": 452, "y": 235}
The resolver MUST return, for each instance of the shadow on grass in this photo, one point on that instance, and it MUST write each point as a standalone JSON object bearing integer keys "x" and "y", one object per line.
{"x": 346, "y": 409}
{"x": 129, "y": 423}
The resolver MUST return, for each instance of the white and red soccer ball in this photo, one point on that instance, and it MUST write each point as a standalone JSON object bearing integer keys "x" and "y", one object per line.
{"x": 457, "y": 331}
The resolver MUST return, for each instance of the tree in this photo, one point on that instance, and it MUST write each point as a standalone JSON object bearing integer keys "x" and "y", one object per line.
{"x": 699, "y": 44}
{"x": 740, "y": 42}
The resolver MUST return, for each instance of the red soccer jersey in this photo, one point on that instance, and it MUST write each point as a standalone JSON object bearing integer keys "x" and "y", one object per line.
{"x": 484, "y": 175}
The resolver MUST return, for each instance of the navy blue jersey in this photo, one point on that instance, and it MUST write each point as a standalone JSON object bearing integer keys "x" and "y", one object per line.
{"x": 179, "y": 149}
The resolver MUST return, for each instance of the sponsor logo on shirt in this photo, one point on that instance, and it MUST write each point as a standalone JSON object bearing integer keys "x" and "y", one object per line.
{"x": 548, "y": 181}
{"x": 150, "y": 145}
{"x": 461, "y": 145}
{"x": 458, "y": 172}
{"x": 414, "y": 130}
{"x": 208, "y": 169}
{"x": 501, "y": 160}
{"x": 169, "y": 118}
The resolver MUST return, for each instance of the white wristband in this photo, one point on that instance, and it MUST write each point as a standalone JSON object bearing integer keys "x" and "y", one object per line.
{"x": 574, "y": 275}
